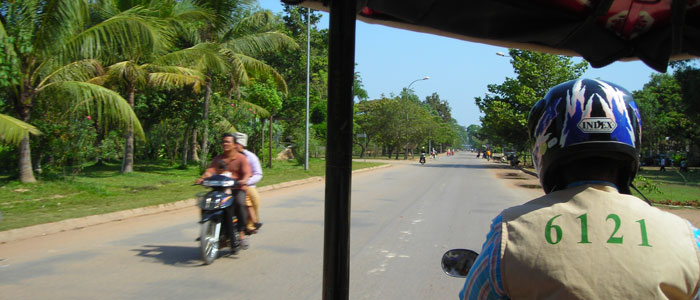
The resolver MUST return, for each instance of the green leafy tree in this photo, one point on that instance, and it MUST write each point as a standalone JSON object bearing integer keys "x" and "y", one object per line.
{"x": 49, "y": 49}
{"x": 475, "y": 136}
{"x": 129, "y": 77}
{"x": 265, "y": 95}
{"x": 227, "y": 48}
{"x": 688, "y": 77}
{"x": 507, "y": 105}
{"x": 440, "y": 107}
{"x": 665, "y": 114}
{"x": 291, "y": 63}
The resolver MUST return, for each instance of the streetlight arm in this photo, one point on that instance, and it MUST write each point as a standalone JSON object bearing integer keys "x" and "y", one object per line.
{"x": 412, "y": 82}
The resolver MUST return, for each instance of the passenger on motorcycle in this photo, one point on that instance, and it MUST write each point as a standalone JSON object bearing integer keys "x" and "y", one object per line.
{"x": 238, "y": 165}
{"x": 588, "y": 237}
{"x": 252, "y": 197}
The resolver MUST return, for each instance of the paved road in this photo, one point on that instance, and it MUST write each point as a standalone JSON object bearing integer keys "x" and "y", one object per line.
{"x": 403, "y": 219}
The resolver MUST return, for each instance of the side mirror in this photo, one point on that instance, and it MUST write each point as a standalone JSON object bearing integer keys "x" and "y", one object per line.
{"x": 457, "y": 262}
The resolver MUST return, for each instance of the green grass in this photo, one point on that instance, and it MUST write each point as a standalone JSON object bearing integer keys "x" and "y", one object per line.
{"x": 672, "y": 187}
{"x": 99, "y": 190}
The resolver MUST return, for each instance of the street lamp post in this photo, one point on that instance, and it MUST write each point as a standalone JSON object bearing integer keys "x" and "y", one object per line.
{"x": 405, "y": 152}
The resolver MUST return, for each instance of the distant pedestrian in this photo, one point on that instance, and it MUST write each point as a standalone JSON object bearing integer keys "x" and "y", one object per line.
{"x": 662, "y": 165}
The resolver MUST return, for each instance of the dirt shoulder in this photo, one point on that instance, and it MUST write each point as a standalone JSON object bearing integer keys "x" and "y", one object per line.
{"x": 526, "y": 181}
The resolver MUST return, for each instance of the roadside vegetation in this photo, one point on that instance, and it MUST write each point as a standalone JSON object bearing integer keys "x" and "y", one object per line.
{"x": 103, "y": 189}
{"x": 115, "y": 104}
{"x": 670, "y": 187}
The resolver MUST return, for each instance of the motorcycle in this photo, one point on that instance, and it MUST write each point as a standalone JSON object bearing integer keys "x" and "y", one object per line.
{"x": 422, "y": 158}
{"x": 458, "y": 262}
{"x": 213, "y": 203}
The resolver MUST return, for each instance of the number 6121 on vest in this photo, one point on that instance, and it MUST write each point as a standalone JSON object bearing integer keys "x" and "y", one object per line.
{"x": 553, "y": 233}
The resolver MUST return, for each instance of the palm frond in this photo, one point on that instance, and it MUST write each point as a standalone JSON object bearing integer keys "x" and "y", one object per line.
{"x": 204, "y": 57}
{"x": 259, "y": 43}
{"x": 128, "y": 72}
{"x": 261, "y": 69}
{"x": 186, "y": 11}
{"x": 97, "y": 101}
{"x": 98, "y": 80}
{"x": 105, "y": 9}
{"x": 171, "y": 81}
{"x": 58, "y": 21}
{"x": 10, "y": 54}
{"x": 258, "y": 22}
{"x": 12, "y": 130}
{"x": 225, "y": 126}
{"x": 154, "y": 68}
{"x": 237, "y": 68}
{"x": 259, "y": 110}
{"x": 82, "y": 70}
{"x": 130, "y": 34}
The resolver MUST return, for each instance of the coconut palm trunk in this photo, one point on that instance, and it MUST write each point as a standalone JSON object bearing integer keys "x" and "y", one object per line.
{"x": 185, "y": 146}
{"x": 205, "y": 121}
{"x": 128, "y": 161}
{"x": 26, "y": 174}
{"x": 193, "y": 152}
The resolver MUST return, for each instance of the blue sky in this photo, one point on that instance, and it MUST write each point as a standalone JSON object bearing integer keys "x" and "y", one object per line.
{"x": 390, "y": 59}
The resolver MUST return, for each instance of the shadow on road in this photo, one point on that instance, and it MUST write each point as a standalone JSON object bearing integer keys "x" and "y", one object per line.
{"x": 178, "y": 256}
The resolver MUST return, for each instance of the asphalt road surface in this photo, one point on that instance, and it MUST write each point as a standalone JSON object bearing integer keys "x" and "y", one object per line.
{"x": 403, "y": 219}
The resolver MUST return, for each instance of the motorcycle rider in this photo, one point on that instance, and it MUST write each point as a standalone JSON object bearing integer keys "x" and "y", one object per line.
{"x": 587, "y": 238}
{"x": 238, "y": 165}
{"x": 252, "y": 196}
{"x": 422, "y": 155}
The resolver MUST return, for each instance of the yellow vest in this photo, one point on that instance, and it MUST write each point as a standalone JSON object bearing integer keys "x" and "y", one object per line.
{"x": 590, "y": 242}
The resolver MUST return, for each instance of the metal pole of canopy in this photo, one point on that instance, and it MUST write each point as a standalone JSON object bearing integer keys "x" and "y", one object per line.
{"x": 341, "y": 65}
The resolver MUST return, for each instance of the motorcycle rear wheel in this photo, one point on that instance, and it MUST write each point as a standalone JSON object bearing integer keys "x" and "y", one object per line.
{"x": 208, "y": 244}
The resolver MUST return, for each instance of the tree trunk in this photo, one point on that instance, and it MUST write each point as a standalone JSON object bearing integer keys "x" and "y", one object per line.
{"x": 366, "y": 148}
{"x": 26, "y": 174}
{"x": 128, "y": 160}
{"x": 193, "y": 152}
{"x": 205, "y": 121}
{"x": 185, "y": 146}
{"x": 233, "y": 86}
{"x": 262, "y": 141}
{"x": 269, "y": 162}
{"x": 253, "y": 146}
{"x": 98, "y": 144}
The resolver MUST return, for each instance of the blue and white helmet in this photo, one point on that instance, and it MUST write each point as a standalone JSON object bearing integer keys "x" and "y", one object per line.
{"x": 585, "y": 118}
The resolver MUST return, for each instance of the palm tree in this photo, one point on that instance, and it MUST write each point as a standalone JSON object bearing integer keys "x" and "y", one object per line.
{"x": 130, "y": 77}
{"x": 236, "y": 46}
{"x": 52, "y": 49}
{"x": 253, "y": 36}
{"x": 206, "y": 58}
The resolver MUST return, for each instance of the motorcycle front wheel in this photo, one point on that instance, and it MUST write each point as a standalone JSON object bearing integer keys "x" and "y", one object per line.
{"x": 209, "y": 242}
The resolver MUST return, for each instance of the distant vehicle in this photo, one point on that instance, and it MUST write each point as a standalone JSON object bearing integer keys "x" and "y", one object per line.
{"x": 512, "y": 157}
